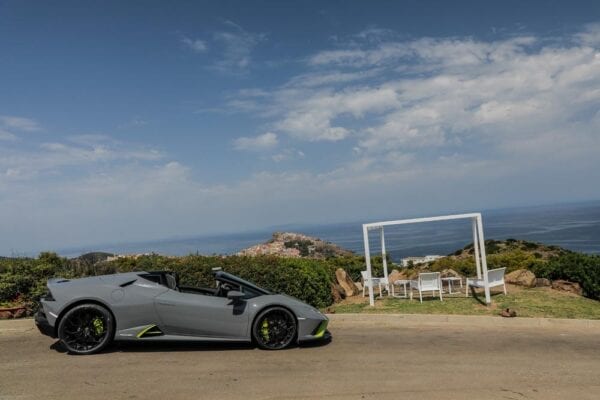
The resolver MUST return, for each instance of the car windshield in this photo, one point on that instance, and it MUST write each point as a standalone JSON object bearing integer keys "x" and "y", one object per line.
{"x": 248, "y": 286}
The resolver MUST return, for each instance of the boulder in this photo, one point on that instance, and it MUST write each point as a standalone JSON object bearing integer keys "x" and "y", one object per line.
{"x": 346, "y": 283}
{"x": 359, "y": 286}
{"x": 542, "y": 282}
{"x": 19, "y": 313}
{"x": 566, "y": 286}
{"x": 336, "y": 293}
{"x": 5, "y": 315}
{"x": 448, "y": 272}
{"x": 521, "y": 277}
{"x": 396, "y": 275}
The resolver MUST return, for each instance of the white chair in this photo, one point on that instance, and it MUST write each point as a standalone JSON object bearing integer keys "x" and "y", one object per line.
{"x": 495, "y": 278}
{"x": 371, "y": 282}
{"x": 427, "y": 281}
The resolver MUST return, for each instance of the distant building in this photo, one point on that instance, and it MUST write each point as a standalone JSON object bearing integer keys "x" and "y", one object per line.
{"x": 419, "y": 260}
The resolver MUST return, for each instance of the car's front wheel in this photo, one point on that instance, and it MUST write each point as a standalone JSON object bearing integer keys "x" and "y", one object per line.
{"x": 274, "y": 328}
{"x": 86, "y": 329}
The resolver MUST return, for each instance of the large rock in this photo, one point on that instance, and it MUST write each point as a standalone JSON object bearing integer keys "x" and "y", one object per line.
{"x": 19, "y": 313}
{"x": 521, "y": 277}
{"x": 346, "y": 283}
{"x": 396, "y": 275}
{"x": 542, "y": 282}
{"x": 449, "y": 272}
{"x": 336, "y": 293}
{"x": 566, "y": 286}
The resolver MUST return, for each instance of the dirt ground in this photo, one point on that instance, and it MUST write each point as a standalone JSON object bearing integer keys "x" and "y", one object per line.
{"x": 370, "y": 357}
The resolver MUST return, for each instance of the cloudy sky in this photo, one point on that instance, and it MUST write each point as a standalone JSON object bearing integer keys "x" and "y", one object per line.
{"x": 131, "y": 121}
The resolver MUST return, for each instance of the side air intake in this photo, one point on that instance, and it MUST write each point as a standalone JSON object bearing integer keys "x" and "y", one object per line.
{"x": 150, "y": 331}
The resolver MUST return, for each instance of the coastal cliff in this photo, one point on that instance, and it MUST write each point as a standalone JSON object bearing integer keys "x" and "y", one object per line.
{"x": 296, "y": 245}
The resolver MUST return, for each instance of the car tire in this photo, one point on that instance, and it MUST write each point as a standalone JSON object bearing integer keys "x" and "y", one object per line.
{"x": 274, "y": 328}
{"x": 86, "y": 329}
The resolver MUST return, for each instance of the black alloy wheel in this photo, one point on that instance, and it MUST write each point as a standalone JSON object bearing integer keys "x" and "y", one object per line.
{"x": 86, "y": 329}
{"x": 274, "y": 328}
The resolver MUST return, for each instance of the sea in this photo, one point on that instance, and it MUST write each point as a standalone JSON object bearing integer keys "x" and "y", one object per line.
{"x": 574, "y": 226}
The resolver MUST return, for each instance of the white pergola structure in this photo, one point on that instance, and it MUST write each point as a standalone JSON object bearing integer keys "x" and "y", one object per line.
{"x": 478, "y": 244}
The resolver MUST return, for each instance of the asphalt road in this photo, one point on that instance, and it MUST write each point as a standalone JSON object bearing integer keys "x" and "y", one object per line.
{"x": 370, "y": 357}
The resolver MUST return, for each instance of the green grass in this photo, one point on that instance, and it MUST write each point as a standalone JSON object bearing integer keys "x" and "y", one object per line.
{"x": 536, "y": 302}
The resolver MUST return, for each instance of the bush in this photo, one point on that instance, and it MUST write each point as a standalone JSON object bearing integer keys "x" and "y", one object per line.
{"x": 353, "y": 265}
{"x": 513, "y": 260}
{"x": 575, "y": 267}
{"x": 307, "y": 279}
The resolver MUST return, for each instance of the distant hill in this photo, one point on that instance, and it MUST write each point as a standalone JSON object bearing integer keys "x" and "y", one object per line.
{"x": 296, "y": 245}
{"x": 539, "y": 250}
{"x": 92, "y": 257}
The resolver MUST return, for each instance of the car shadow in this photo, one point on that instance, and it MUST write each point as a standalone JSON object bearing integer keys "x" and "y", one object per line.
{"x": 175, "y": 346}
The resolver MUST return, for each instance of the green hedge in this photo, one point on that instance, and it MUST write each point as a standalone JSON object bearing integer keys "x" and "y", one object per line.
{"x": 575, "y": 267}
{"x": 307, "y": 279}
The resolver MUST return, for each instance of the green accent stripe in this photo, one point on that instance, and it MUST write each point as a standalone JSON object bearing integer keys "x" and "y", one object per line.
{"x": 145, "y": 330}
{"x": 321, "y": 330}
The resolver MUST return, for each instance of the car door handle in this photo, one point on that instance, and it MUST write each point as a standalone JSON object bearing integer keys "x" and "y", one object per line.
{"x": 165, "y": 303}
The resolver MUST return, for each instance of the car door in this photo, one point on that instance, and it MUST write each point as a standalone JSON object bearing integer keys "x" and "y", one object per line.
{"x": 192, "y": 314}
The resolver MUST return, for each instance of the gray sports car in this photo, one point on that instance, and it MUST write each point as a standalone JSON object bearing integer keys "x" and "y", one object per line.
{"x": 87, "y": 314}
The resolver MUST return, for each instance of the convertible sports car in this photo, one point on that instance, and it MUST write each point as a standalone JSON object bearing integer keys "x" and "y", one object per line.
{"x": 87, "y": 314}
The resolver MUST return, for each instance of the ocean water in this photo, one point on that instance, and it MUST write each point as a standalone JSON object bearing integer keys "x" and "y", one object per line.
{"x": 572, "y": 226}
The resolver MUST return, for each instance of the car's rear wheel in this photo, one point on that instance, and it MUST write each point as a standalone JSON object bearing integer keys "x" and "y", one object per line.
{"x": 86, "y": 329}
{"x": 274, "y": 328}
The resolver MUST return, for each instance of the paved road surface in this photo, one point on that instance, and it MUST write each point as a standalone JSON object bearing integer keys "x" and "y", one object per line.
{"x": 370, "y": 357}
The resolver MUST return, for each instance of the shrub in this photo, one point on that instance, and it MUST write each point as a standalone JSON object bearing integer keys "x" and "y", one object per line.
{"x": 25, "y": 278}
{"x": 465, "y": 267}
{"x": 575, "y": 267}
{"x": 353, "y": 265}
{"x": 513, "y": 260}
{"x": 307, "y": 279}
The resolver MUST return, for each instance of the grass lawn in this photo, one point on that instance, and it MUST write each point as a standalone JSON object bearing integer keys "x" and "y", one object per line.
{"x": 535, "y": 302}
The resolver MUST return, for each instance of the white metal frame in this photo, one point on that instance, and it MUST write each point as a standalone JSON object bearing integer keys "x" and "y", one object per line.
{"x": 478, "y": 244}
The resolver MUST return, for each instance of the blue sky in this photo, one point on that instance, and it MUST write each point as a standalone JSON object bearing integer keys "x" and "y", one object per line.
{"x": 127, "y": 121}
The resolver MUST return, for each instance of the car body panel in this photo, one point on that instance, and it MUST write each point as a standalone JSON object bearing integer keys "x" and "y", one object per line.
{"x": 190, "y": 314}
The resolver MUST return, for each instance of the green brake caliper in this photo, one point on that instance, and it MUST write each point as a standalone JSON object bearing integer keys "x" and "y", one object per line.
{"x": 98, "y": 326}
{"x": 265, "y": 330}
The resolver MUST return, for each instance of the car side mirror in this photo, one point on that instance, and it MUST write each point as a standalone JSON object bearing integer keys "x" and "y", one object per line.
{"x": 235, "y": 295}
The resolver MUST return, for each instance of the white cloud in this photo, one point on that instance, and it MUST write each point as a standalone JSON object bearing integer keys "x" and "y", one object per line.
{"x": 7, "y": 136}
{"x": 262, "y": 142}
{"x": 231, "y": 47}
{"x": 288, "y": 154}
{"x": 314, "y": 79}
{"x": 438, "y": 93}
{"x": 311, "y": 115}
{"x": 19, "y": 123}
{"x": 82, "y": 154}
{"x": 236, "y": 46}
{"x": 196, "y": 45}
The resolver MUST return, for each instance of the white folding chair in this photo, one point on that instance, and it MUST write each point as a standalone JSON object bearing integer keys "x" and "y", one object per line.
{"x": 425, "y": 282}
{"x": 371, "y": 282}
{"x": 495, "y": 278}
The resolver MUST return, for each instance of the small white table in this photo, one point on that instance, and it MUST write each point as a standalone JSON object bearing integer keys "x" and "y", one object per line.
{"x": 451, "y": 279}
{"x": 402, "y": 282}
